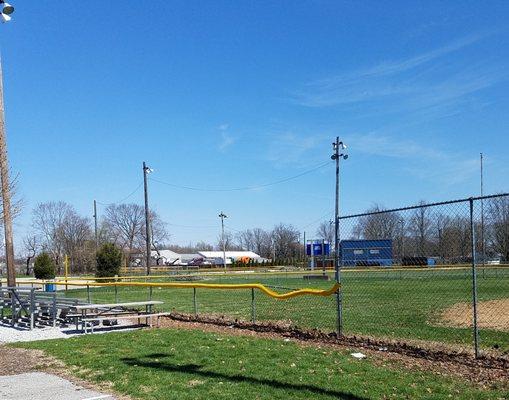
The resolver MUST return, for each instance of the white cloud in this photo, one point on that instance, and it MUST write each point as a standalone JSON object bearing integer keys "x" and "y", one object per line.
{"x": 289, "y": 147}
{"x": 423, "y": 83}
{"x": 226, "y": 139}
{"x": 424, "y": 161}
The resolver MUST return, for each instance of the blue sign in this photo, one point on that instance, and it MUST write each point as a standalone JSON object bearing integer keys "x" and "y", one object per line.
{"x": 319, "y": 248}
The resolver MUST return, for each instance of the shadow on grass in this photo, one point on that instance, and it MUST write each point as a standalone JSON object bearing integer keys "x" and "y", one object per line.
{"x": 194, "y": 369}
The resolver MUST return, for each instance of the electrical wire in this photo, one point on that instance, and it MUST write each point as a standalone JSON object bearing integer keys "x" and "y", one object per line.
{"x": 194, "y": 226}
{"x": 124, "y": 199}
{"x": 201, "y": 189}
{"x": 318, "y": 220}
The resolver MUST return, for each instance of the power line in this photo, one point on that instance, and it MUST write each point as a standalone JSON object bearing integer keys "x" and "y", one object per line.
{"x": 194, "y": 226}
{"x": 125, "y": 198}
{"x": 201, "y": 189}
{"x": 318, "y": 220}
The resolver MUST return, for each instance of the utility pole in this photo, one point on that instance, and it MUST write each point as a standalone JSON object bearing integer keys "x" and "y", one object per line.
{"x": 6, "y": 193}
{"x": 337, "y": 147}
{"x": 223, "y": 216}
{"x": 146, "y": 171}
{"x": 95, "y": 227}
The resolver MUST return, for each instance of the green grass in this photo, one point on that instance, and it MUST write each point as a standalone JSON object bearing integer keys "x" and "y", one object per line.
{"x": 190, "y": 364}
{"x": 385, "y": 304}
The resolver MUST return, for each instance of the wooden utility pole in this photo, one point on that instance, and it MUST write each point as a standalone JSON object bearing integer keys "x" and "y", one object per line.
{"x": 6, "y": 194}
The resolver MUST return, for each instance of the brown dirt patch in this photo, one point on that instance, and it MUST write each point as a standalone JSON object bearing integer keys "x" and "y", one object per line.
{"x": 15, "y": 361}
{"x": 492, "y": 314}
{"x": 486, "y": 372}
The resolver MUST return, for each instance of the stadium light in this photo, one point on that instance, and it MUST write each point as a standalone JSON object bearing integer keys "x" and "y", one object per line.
{"x": 7, "y": 10}
{"x": 223, "y": 216}
{"x": 339, "y": 154}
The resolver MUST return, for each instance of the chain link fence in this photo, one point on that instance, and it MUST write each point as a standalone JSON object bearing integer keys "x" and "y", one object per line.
{"x": 431, "y": 275}
{"x": 434, "y": 275}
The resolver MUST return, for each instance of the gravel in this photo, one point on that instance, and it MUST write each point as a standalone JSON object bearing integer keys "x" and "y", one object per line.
{"x": 9, "y": 334}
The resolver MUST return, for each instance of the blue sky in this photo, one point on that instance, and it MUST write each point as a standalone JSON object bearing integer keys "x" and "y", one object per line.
{"x": 221, "y": 94}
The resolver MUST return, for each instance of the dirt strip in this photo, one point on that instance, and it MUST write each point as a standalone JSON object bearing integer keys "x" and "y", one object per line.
{"x": 486, "y": 371}
{"x": 14, "y": 361}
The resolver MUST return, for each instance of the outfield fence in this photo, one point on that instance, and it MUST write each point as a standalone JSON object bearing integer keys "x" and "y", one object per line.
{"x": 431, "y": 275}
{"x": 464, "y": 306}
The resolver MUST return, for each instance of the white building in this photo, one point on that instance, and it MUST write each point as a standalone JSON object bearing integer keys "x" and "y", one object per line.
{"x": 231, "y": 256}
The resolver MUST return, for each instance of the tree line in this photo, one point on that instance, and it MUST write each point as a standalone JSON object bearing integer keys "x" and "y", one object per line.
{"x": 59, "y": 230}
{"x": 441, "y": 231}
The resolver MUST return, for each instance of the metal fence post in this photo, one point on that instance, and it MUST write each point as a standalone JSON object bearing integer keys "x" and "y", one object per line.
{"x": 32, "y": 308}
{"x": 54, "y": 309}
{"x": 253, "y": 306}
{"x": 474, "y": 279}
{"x": 116, "y": 293}
{"x": 88, "y": 293}
{"x": 13, "y": 307}
{"x": 195, "y": 305}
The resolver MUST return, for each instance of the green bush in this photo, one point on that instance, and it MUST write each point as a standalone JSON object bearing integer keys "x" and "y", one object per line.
{"x": 44, "y": 267}
{"x": 109, "y": 260}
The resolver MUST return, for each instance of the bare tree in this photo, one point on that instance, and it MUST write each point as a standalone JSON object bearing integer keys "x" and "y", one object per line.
{"x": 62, "y": 231}
{"x": 30, "y": 246}
{"x": 125, "y": 224}
{"x": 286, "y": 241}
{"x": 325, "y": 231}
{"x": 455, "y": 237}
{"x": 74, "y": 232}
{"x": 245, "y": 240}
{"x": 190, "y": 248}
{"x": 48, "y": 219}
{"x": 379, "y": 225}
{"x": 17, "y": 202}
{"x": 158, "y": 232}
{"x": 498, "y": 219}
{"x": 262, "y": 242}
{"x": 420, "y": 228}
{"x": 229, "y": 242}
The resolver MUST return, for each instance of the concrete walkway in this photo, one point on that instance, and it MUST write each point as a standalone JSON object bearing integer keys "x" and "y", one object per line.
{"x": 42, "y": 386}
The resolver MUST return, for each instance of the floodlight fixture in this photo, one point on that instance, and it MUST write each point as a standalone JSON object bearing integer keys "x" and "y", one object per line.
{"x": 7, "y": 9}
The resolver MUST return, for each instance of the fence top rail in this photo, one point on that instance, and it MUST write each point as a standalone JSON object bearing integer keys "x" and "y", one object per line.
{"x": 441, "y": 203}
{"x": 112, "y": 305}
{"x": 16, "y": 288}
{"x": 258, "y": 286}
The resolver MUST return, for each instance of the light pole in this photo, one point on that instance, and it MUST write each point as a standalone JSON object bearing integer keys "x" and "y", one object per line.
{"x": 95, "y": 227}
{"x": 7, "y": 10}
{"x": 146, "y": 171}
{"x": 338, "y": 148}
{"x": 223, "y": 216}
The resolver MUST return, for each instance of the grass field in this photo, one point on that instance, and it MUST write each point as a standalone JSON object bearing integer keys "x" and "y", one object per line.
{"x": 191, "y": 364}
{"x": 385, "y": 304}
